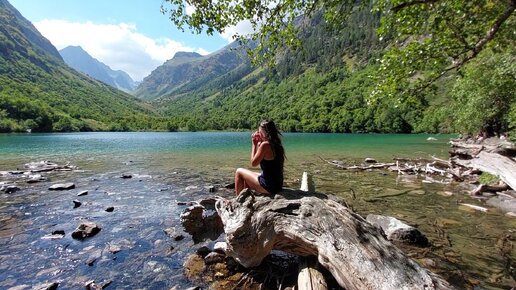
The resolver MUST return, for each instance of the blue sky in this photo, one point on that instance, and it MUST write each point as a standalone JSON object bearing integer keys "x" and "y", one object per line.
{"x": 131, "y": 35}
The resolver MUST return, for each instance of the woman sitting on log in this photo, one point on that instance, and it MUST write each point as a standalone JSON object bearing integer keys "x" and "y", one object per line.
{"x": 267, "y": 151}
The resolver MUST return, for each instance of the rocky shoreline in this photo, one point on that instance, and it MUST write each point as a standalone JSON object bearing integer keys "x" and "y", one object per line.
{"x": 68, "y": 228}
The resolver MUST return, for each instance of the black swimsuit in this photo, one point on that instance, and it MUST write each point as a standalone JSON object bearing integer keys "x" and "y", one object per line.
{"x": 272, "y": 174}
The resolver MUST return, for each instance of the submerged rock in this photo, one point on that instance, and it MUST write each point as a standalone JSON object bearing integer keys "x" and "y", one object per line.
{"x": 396, "y": 230}
{"x": 505, "y": 203}
{"x": 41, "y": 166}
{"x": 202, "y": 222}
{"x": 192, "y": 218}
{"x": 47, "y": 166}
{"x": 112, "y": 248}
{"x": 55, "y": 235}
{"x": 174, "y": 234}
{"x": 9, "y": 188}
{"x": 62, "y": 186}
{"x": 35, "y": 178}
{"x": 86, "y": 230}
{"x": 91, "y": 260}
{"x": 194, "y": 265}
{"x": 82, "y": 193}
{"x": 46, "y": 286}
{"x": 91, "y": 285}
{"x": 76, "y": 203}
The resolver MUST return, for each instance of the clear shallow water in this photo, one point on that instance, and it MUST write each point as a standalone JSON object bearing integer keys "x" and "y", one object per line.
{"x": 179, "y": 166}
{"x": 168, "y": 150}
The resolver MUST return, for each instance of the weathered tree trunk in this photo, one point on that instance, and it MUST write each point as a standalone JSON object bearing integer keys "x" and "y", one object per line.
{"x": 487, "y": 159}
{"x": 315, "y": 224}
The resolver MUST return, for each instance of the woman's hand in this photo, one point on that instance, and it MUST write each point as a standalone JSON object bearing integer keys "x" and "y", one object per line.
{"x": 256, "y": 137}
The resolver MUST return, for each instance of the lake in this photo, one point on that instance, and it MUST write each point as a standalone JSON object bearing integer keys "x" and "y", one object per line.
{"x": 172, "y": 167}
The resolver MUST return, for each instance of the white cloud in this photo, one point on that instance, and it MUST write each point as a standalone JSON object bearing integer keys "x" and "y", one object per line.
{"x": 242, "y": 28}
{"x": 202, "y": 51}
{"x": 120, "y": 46}
{"x": 190, "y": 9}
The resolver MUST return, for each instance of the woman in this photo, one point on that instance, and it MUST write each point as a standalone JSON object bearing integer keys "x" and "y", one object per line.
{"x": 267, "y": 151}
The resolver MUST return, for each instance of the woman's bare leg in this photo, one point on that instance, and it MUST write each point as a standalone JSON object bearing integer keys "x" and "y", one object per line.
{"x": 245, "y": 178}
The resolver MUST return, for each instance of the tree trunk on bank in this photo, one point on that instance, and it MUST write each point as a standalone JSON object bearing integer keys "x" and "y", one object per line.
{"x": 496, "y": 160}
{"x": 315, "y": 224}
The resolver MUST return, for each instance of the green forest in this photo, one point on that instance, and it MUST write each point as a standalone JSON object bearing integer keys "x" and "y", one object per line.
{"x": 326, "y": 86}
{"x": 356, "y": 74}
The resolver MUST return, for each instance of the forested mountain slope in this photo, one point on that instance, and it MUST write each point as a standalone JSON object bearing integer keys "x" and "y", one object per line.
{"x": 327, "y": 85}
{"x": 319, "y": 88}
{"x": 38, "y": 91}
{"x": 189, "y": 71}
{"x": 79, "y": 59}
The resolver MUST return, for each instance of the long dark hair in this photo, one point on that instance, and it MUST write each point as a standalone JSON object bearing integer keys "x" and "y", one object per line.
{"x": 273, "y": 135}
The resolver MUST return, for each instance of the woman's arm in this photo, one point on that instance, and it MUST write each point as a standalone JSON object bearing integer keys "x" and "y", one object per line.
{"x": 253, "y": 150}
{"x": 255, "y": 141}
{"x": 259, "y": 151}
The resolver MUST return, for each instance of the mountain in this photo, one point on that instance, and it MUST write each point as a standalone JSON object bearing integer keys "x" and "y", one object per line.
{"x": 38, "y": 91}
{"x": 187, "y": 71}
{"x": 80, "y": 60}
{"x": 321, "y": 87}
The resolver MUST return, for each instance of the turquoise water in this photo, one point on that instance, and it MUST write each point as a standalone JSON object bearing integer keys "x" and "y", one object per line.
{"x": 179, "y": 166}
{"x": 81, "y": 148}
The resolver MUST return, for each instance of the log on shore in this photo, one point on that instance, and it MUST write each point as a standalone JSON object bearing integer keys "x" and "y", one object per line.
{"x": 493, "y": 163}
{"x": 314, "y": 224}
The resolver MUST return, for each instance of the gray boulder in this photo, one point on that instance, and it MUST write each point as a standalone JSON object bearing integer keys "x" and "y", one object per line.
{"x": 396, "y": 230}
{"x": 85, "y": 230}
{"x": 9, "y": 188}
{"x": 506, "y": 204}
{"x": 62, "y": 186}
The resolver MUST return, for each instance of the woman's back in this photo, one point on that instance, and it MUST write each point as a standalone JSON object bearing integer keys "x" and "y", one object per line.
{"x": 272, "y": 170}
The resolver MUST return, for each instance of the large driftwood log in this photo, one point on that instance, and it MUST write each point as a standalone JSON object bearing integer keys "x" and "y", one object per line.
{"x": 493, "y": 163}
{"x": 315, "y": 224}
